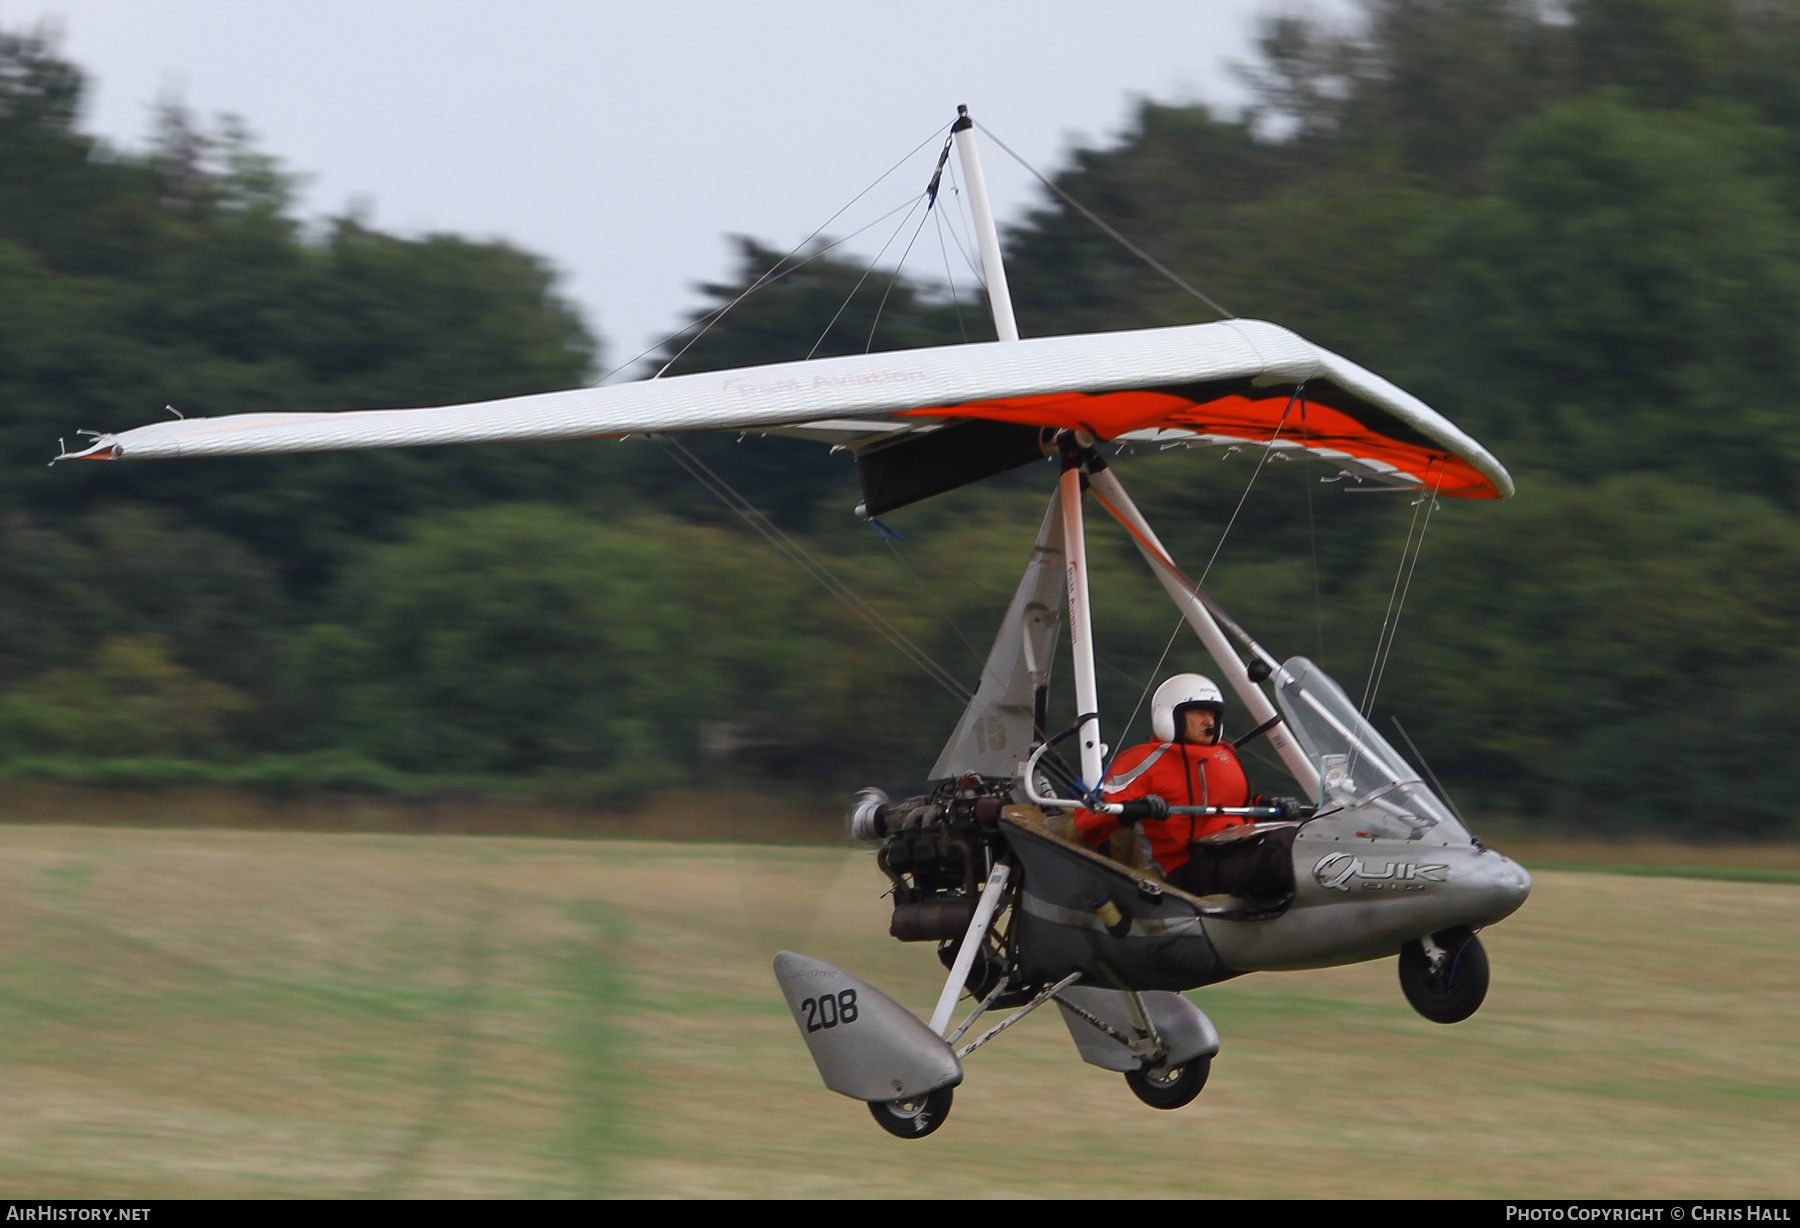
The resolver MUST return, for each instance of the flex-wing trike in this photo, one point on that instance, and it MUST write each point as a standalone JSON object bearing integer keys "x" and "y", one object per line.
{"x": 987, "y": 865}
{"x": 1373, "y": 864}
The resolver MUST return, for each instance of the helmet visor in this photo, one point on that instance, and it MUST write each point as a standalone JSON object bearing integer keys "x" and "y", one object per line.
{"x": 1218, "y": 722}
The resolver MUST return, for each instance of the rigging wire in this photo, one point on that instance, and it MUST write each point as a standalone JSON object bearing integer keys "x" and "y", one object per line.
{"x": 911, "y": 205}
{"x": 711, "y": 318}
{"x": 1378, "y": 669}
{"x": 769, "y": 276}
{"x": 1424, "y": 763}
{"x": 937, "y": 217}
{"x": 723, "y": 491}
{"x": 767, "y": 280}
{"x": 963, "y": 242}
{"x": 1097, "y": 220}
{"x": 930, "y": 196}
{"x": 882, "y": 305}
{"x": 1387, "y": 616}
{"x": 1268, "y": 450}
{"x": 930, "y": 596}
{"x": 965, "y": 575}
{"x": 949, "y": 277}
{"x": 1312, "y": 540}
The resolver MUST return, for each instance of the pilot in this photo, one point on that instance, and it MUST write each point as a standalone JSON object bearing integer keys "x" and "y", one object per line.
{"x": 1189, "y": 764}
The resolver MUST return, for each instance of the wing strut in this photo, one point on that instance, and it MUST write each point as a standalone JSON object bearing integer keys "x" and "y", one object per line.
{"x": 1081, "y": 621}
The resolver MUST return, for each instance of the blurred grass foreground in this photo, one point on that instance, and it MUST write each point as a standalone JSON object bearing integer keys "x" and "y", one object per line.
{"x": 289, "y": 1014}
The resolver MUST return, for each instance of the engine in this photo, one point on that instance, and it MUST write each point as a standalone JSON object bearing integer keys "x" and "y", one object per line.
{"x": 937, "y": 850}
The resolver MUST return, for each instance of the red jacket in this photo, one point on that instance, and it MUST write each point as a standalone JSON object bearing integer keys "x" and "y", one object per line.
{"x": 1182, "y": 774}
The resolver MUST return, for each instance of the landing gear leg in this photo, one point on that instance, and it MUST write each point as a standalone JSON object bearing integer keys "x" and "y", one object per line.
{"x": 913, "y": 1118}
{"x": 971, "y": 945}
{"x": 1445, "y": 976}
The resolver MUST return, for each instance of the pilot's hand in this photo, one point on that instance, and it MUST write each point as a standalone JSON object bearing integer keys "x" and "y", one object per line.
{"x": 1151, "y": 806}
{"x": 1293, "y": 808}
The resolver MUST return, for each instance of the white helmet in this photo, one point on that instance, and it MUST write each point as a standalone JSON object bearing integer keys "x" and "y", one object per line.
{"x": 1177, "y": 692}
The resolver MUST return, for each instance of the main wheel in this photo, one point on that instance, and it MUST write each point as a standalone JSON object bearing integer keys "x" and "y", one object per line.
{"x": 913, "y": 1118}
{"x": 1170, "y": 1087}
{"x": 1455, "y": 991}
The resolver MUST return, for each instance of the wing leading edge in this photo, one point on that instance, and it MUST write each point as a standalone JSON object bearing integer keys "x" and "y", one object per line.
{"x": 1222, "y": 384}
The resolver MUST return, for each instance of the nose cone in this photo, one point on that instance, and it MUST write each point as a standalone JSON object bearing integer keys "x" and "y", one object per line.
{"x": 1496, "y": 887}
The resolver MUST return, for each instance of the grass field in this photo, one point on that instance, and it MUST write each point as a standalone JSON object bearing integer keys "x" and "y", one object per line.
{"x": 237, "y": 1013}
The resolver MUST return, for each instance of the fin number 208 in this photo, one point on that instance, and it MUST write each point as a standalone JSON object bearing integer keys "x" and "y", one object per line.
{"x": 827, "y": 1011}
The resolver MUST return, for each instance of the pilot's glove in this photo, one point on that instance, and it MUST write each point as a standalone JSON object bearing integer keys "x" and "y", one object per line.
{"x": 1151, "y": 806}
{"x": 1293, "y": 808}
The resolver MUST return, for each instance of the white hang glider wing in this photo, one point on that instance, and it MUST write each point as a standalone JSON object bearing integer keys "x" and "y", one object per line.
{"x": 928, "y": 420}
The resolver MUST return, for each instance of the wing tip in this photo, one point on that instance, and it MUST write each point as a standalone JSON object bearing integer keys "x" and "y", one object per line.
{"x": 105, "y": 447}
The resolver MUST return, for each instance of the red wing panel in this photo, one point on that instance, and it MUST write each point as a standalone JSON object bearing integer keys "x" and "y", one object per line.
{"x": 1307, "y": 421}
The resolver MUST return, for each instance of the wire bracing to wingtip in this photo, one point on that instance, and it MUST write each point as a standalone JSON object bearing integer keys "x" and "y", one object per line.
{"x": 775, "y": 272}
{"x": 725, "y": 493}
{"x": 1390, "y": 623}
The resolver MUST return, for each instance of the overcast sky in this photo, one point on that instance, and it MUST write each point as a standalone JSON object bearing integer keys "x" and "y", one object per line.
{"x": 623, "y": 141}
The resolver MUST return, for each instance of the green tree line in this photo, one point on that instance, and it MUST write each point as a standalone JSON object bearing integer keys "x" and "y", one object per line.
{"x": 1574, "y": 232}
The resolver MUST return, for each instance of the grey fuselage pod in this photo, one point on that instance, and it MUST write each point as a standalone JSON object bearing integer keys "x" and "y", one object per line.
{"x": 866, "y": 1045}
{"x": 1354, "y": 899}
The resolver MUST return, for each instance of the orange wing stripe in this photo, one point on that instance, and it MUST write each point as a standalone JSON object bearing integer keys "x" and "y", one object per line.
{"x": 1111, "y": 414}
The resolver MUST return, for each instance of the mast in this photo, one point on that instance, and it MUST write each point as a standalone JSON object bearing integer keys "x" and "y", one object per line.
{"x": 999, "y": 297}
{"x": 1081, "y": 621}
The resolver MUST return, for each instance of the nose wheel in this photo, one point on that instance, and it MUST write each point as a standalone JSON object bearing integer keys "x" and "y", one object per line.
{"x": 914, "y": 1118}
{"x": 1445, "y": 976}
{"x": 1169, "y": 1087}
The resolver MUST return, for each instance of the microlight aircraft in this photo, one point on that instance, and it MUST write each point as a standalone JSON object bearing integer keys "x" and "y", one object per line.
{"x": 985, "y": 864}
